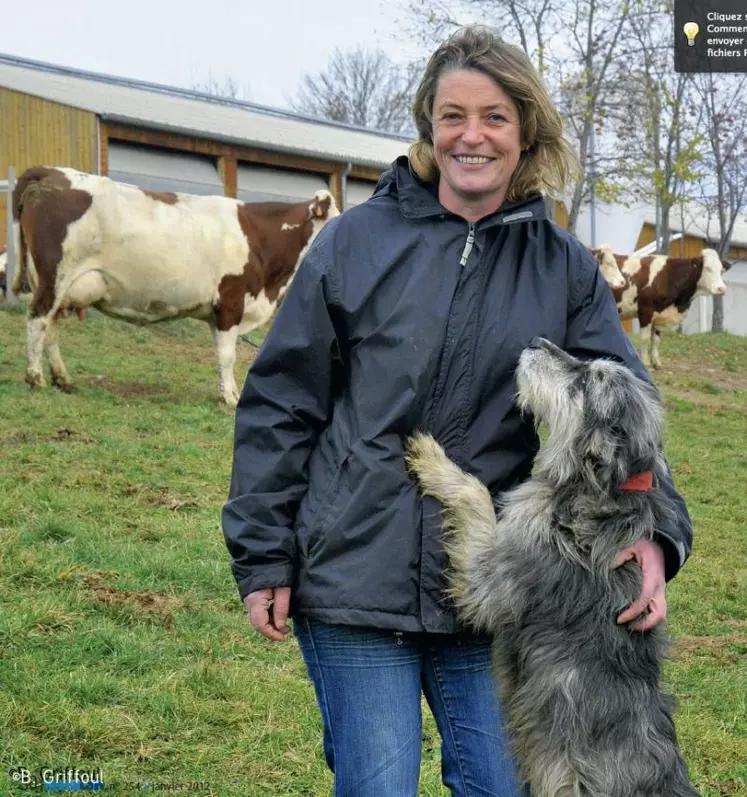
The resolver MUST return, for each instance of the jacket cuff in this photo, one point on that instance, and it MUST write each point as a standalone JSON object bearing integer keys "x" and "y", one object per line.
{"x": 265, "y": 578}
{"x": 675, "y": 554}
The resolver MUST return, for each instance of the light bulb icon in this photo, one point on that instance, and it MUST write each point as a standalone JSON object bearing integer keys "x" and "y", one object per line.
{"x": 691, "y": 31}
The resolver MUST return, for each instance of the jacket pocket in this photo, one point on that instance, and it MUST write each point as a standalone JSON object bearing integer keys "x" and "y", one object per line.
{"x": 330, "y": 504}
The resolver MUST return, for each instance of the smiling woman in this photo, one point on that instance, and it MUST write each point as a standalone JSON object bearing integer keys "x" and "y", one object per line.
{"x": 409, "y": 313}
{"x": 481, "y": 96}
{"x": 476, "y": 142}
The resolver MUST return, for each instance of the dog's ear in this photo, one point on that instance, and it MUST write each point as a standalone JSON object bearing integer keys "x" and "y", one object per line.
{"x": 642, "y": 421}
{"x": 602, "y": 454}
{"x": 622, "y": 427}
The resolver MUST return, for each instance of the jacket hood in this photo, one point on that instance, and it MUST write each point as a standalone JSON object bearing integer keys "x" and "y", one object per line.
{"x": 419, "y": 200}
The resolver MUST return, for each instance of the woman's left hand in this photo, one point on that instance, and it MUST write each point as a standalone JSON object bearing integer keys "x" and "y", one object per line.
{"x": 649, "y": 557}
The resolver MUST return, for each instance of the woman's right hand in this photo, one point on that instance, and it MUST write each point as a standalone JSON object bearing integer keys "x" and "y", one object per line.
{"x": 267, "y": 611}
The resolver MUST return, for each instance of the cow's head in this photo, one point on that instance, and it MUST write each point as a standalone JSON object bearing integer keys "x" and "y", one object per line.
{"x": 322, "y": 207}
{"x": 608, "y": 266}
{"x": 711, "y": 278}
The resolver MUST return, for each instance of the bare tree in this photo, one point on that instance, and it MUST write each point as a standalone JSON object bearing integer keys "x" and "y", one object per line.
{"x": 226, "y": 86}
{"x": 658, "y": 143}
{"x": 583, "y": 74}
{"x": 589, "y": 73}
{"x": 528, "y": 22}
{"x": 723, "y": 104}
{"x": 361, "y": 88}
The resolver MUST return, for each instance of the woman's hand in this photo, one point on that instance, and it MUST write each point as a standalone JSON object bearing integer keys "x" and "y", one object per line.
{"x": 267, "y": 611}
{"x": 650, "y": 558}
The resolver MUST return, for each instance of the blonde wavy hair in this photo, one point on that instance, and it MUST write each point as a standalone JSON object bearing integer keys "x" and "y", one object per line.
{"x": 547, "y": 161}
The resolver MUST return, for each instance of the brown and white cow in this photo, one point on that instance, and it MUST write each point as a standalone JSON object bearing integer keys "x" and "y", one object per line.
{"x": 144, "y": 256}
{"x": 608, "y": 265}
{"x": 660, "y": 289}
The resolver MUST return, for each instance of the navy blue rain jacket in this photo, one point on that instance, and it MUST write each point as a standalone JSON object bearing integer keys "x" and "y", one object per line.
{"x": 403, "y": 316}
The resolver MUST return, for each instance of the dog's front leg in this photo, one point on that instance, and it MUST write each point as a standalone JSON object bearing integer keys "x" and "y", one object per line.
{"x": 481, "y": 583}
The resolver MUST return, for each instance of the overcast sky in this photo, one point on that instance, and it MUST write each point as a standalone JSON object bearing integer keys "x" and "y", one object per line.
{"x": 264, "y": 45}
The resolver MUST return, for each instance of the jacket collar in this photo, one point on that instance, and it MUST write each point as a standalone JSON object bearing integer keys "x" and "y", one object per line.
{"x": 419, "y": 200}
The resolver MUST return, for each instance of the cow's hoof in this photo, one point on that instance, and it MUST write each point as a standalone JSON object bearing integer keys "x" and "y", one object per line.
{"x": 65, "y": 387}
{"x": 229, "y": 397}
{"x": 656, "y": 364}
{"x": 34, "y": 379}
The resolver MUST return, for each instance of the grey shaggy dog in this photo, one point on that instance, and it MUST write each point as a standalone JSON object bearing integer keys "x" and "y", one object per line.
{"x": 581, "y": 693}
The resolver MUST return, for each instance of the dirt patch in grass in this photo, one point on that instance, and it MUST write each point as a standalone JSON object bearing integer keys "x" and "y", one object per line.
{"x": 717, "y": 402}
{"x": 711, "y": 379}
{"x": 730, "y": 647}
{"x": 60, "y": 436}
{"x": 126, "y": 389}
{"x": 689, "y": 373}
{"x": 160, "y": 496}
{"x": 726, "y": 788}
{"x": 145, "y": 602}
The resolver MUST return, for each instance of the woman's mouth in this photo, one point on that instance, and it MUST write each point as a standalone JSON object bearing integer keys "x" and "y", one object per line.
{"x": 472, "y": 160}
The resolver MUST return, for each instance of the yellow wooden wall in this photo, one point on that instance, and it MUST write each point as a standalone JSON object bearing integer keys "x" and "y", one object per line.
{"x": 561, "y": 214}
{"x": 34, "y": 131}
{"x": 687, "y": 246}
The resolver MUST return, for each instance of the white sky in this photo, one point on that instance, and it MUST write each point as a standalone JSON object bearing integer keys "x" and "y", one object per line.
{"x": 264, "y": 45}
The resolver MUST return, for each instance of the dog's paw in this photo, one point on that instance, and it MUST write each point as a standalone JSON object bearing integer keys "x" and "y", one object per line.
{"x": 426, "y": 461}
{"x": 419, "y": 449}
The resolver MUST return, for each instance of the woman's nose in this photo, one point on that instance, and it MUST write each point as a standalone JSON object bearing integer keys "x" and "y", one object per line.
{"x": 473, "y": 131}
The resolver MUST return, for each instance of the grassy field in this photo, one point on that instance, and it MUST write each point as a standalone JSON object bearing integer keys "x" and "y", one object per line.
{"x": 123, "y": 646}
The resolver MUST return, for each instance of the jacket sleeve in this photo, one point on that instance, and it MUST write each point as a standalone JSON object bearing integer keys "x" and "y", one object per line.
{"x": 283, "y": 407}
{"x": 594, "y": 330}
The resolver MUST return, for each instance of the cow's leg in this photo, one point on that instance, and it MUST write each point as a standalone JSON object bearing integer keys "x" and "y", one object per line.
{"x": 37, "y": 326}
{"x": 36, "y": 333}
{"x": 60, "y": 376}
{"x": 225, "y": 347}
{"x": 646, "y": 344}
{"x": 655, "y": 341}
{"x": 228, "y": 313}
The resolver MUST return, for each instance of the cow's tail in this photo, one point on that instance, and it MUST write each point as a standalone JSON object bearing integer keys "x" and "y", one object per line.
{"x": 28, "y": 183}
{"x": 21, "y": 283}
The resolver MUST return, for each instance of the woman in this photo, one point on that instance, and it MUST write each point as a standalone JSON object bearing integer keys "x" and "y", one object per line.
{"x": 410, "y": 312}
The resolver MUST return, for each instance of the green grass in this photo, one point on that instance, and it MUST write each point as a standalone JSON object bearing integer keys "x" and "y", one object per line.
{"x": 122, "y": 642}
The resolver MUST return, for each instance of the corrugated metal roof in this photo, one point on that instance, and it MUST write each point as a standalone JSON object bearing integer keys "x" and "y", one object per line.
{"x": 193, "y": 113}
{"x": 701, "y": 224}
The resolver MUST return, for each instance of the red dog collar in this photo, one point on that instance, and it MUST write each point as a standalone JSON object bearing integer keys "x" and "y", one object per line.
{"x": 639, "y": 482}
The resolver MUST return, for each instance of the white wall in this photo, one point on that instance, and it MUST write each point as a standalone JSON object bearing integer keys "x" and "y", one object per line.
{"x": 615, "y": 225}
{"x": 699, "y": 315}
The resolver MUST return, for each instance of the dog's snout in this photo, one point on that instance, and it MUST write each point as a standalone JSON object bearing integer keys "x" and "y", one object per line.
{"x": 536, "y": 343}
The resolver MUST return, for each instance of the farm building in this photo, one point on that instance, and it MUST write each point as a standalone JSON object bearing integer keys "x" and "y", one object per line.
{"x": 170, "y": 139}
{"x": 628, "y": 229}
{"x": 698, "y": 229}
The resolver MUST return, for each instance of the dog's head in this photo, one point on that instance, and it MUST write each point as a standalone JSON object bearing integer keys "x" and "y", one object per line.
{"x": 604, "y": 423}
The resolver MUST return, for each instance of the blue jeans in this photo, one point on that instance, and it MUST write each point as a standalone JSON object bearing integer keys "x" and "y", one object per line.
{"x": 368, "y": 684}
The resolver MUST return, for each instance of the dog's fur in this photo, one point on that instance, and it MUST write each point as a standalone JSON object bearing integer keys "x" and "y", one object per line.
{"x": 581, "y": 693}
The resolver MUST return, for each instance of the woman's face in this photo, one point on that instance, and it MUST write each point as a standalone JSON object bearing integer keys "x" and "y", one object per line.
{"x": 476, "y": 141}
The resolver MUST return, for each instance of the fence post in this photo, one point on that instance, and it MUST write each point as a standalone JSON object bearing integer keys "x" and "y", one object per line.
{"x": 10, "y": 268}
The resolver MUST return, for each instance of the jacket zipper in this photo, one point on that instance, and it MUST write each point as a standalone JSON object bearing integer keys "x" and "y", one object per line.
{"x": 441, "y": 375}
{"x": 468, "y": 245}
